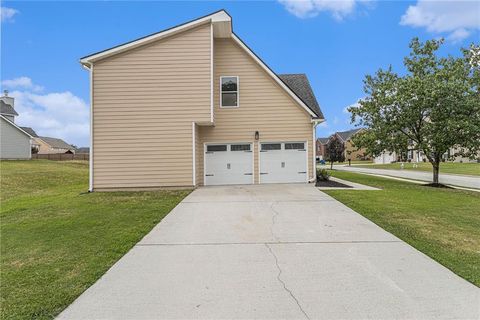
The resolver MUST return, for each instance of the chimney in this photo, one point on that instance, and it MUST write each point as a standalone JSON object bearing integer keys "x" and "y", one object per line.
{"x": 8, "y": 100}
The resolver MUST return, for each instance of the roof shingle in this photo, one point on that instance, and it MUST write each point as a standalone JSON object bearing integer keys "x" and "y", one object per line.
{"x": 7, "y": 109}
{"x": 346, "y": 135}
{"x": 300, "y": 85}
{"x": 56, "y": 143}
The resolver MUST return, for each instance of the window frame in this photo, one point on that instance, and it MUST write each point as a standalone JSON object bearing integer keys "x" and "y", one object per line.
{"x": 237, "y": 92}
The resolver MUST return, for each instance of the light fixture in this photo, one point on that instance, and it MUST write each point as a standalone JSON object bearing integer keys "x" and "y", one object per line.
{"x": 257, "y": 135}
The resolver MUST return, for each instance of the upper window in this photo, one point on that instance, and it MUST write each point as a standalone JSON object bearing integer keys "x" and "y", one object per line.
{"x": 229, "y": 91}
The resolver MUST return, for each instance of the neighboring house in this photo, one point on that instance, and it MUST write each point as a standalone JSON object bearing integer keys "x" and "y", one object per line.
{"x": 207, "y": 111}
{"x": 82, "y": 150}
{"x": 15, "y": 142}
{"x": 35, "y": 146}
{"x": 48, "y": 145}
{"x": 351, "y": 152}
{"x": 321, "y": 148}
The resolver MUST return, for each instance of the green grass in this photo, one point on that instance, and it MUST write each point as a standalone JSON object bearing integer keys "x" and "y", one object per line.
{"x": 445, "y": 167}
{"x": 442, "y": 223}
{"x": 57, "y": 240}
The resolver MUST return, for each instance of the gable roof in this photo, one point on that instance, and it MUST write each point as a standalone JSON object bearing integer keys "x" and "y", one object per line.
{"x": 56, "y": 143}
{"x": 222, "y": 24}
{"x": 7, "y": 109}
{"x": 323, "y": 140}
{"x": 30, "y": 131}
{"x": 14, "y": 125}
{"x": 346, "y": 135}
{"x": 217, "y": 16}
{"x": 300, "y": 85}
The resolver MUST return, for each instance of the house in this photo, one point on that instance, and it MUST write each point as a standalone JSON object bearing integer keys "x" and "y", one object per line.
{"x": 351, "y": 152}
{"x": 82, "y": 150}
{"x": 49, "y": 145}
{"x": 35, "y": 146}
{"x": 321, "y": 148}
{"x": 194, "y": 105}
{"x": 15, "y": 143}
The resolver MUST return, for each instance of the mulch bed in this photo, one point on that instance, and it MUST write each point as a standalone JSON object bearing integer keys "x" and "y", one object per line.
{"x": 437, "y": 185}
{"x": 331, "y": 184}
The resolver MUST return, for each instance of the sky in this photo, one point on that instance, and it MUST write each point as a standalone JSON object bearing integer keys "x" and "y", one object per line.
{"x": 336, "y": 43}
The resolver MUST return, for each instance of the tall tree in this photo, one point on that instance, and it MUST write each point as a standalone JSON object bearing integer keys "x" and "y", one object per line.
{"x": 335, "y": 151}
{"x": 433, "y": 107}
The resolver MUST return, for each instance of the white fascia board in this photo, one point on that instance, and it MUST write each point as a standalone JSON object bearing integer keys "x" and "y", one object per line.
{"x": 13, "y": 124}
{"x": 220, "y": 16}
{"x": 273, "y": 75}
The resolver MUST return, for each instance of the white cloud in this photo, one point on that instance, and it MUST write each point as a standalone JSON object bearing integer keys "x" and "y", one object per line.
{"x": 56, "y": 114}
{"x": 311, "y": 8}
{"x": 458, "y": 19}
{"x": 21, "y": 83}
{"x": 7, "y": 14}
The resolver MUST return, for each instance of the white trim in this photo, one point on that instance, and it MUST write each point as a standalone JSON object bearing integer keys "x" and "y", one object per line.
{"x": 194, "y": 175}
{"x": 273, "y": 75}
{"x": 204, "y": 164}
{"x": 306, "y": 162}
{"x": 252, "y": 149}
{"x": 90, "y": 154}
{"x": 237, "y": 92}
{"x": 314, "y": 142}
{"x": 216, "y": 17}
{"x": 211, "y": 72}
{"x": 14, "y": 125}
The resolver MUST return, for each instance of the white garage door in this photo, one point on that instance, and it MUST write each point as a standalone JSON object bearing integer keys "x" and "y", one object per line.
{"x": 282, "y": 162}
{"x": 228, "y": 164}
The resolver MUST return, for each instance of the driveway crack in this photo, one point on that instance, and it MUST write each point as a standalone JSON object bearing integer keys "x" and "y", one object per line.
{"x": 274, "y": 217}
{"x": 284, "y": 284}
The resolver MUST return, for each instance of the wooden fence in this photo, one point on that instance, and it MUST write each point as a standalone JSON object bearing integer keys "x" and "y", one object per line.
{"x": 61, "y": 156}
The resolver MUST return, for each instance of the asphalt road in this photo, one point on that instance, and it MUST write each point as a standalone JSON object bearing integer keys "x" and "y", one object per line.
{"x": 450, "y": 179}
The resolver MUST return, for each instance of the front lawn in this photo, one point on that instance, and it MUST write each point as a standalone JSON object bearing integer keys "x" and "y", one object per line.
{"x": 442, "y": 223}
{"x": 470, "y": 168}
{"x": 57, "y": 240}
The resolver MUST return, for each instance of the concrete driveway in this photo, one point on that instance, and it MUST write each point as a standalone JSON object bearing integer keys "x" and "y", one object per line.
{"x": 273, "y": 252}
{"x": 450, "y": 179}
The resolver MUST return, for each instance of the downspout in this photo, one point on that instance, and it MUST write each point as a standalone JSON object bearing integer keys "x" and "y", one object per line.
{"x": 315, "y": 122}
{"x": 90, "y": 154}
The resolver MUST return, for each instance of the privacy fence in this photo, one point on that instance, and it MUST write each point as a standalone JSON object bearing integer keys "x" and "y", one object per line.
{"x": 61, "y": 156}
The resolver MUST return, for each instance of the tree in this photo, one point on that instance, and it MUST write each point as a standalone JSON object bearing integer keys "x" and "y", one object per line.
{"x": 433, "y": 107}
{"x": 334, "y": 151}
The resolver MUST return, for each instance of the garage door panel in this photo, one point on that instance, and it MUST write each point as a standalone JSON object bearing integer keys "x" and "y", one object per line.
{"x": 289, "y": 164}
{"x": 232, "y": 166}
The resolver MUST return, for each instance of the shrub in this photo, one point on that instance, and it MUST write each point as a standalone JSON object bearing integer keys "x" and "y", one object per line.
{"x": 323, "y": 174}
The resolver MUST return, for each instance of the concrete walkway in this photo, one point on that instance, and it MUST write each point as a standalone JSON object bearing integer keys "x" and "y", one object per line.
{"x": 450, "y": 179}
{"x": 273, "y": 252}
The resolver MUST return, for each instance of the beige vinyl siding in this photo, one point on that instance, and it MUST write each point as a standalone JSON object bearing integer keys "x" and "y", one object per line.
{"x": 14, "y": 144}
{"x": 144, "y": 102}
{"x": 263, "y": 106}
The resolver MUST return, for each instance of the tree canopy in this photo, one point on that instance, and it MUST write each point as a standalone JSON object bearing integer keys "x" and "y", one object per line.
{"x": 433, "y": 107}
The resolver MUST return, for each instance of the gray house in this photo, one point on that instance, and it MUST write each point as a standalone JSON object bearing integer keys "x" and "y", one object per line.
{"x": 15, "y": 142}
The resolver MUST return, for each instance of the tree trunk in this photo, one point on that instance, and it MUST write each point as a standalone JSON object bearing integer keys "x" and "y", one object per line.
{"x": 436, "y": 169}
{"x": 331, "y": 165}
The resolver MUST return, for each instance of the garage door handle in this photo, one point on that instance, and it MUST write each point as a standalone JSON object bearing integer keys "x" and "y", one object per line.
{"x": 209, "y": 175}
{"x": 247, "y": 174}
{"x": 302, "y": 172}
{"x": 263, "y": 172}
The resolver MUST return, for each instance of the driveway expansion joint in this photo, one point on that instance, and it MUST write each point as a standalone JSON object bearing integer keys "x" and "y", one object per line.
{"x": 284, "y": 284}
{"x": 266, "y": 243}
